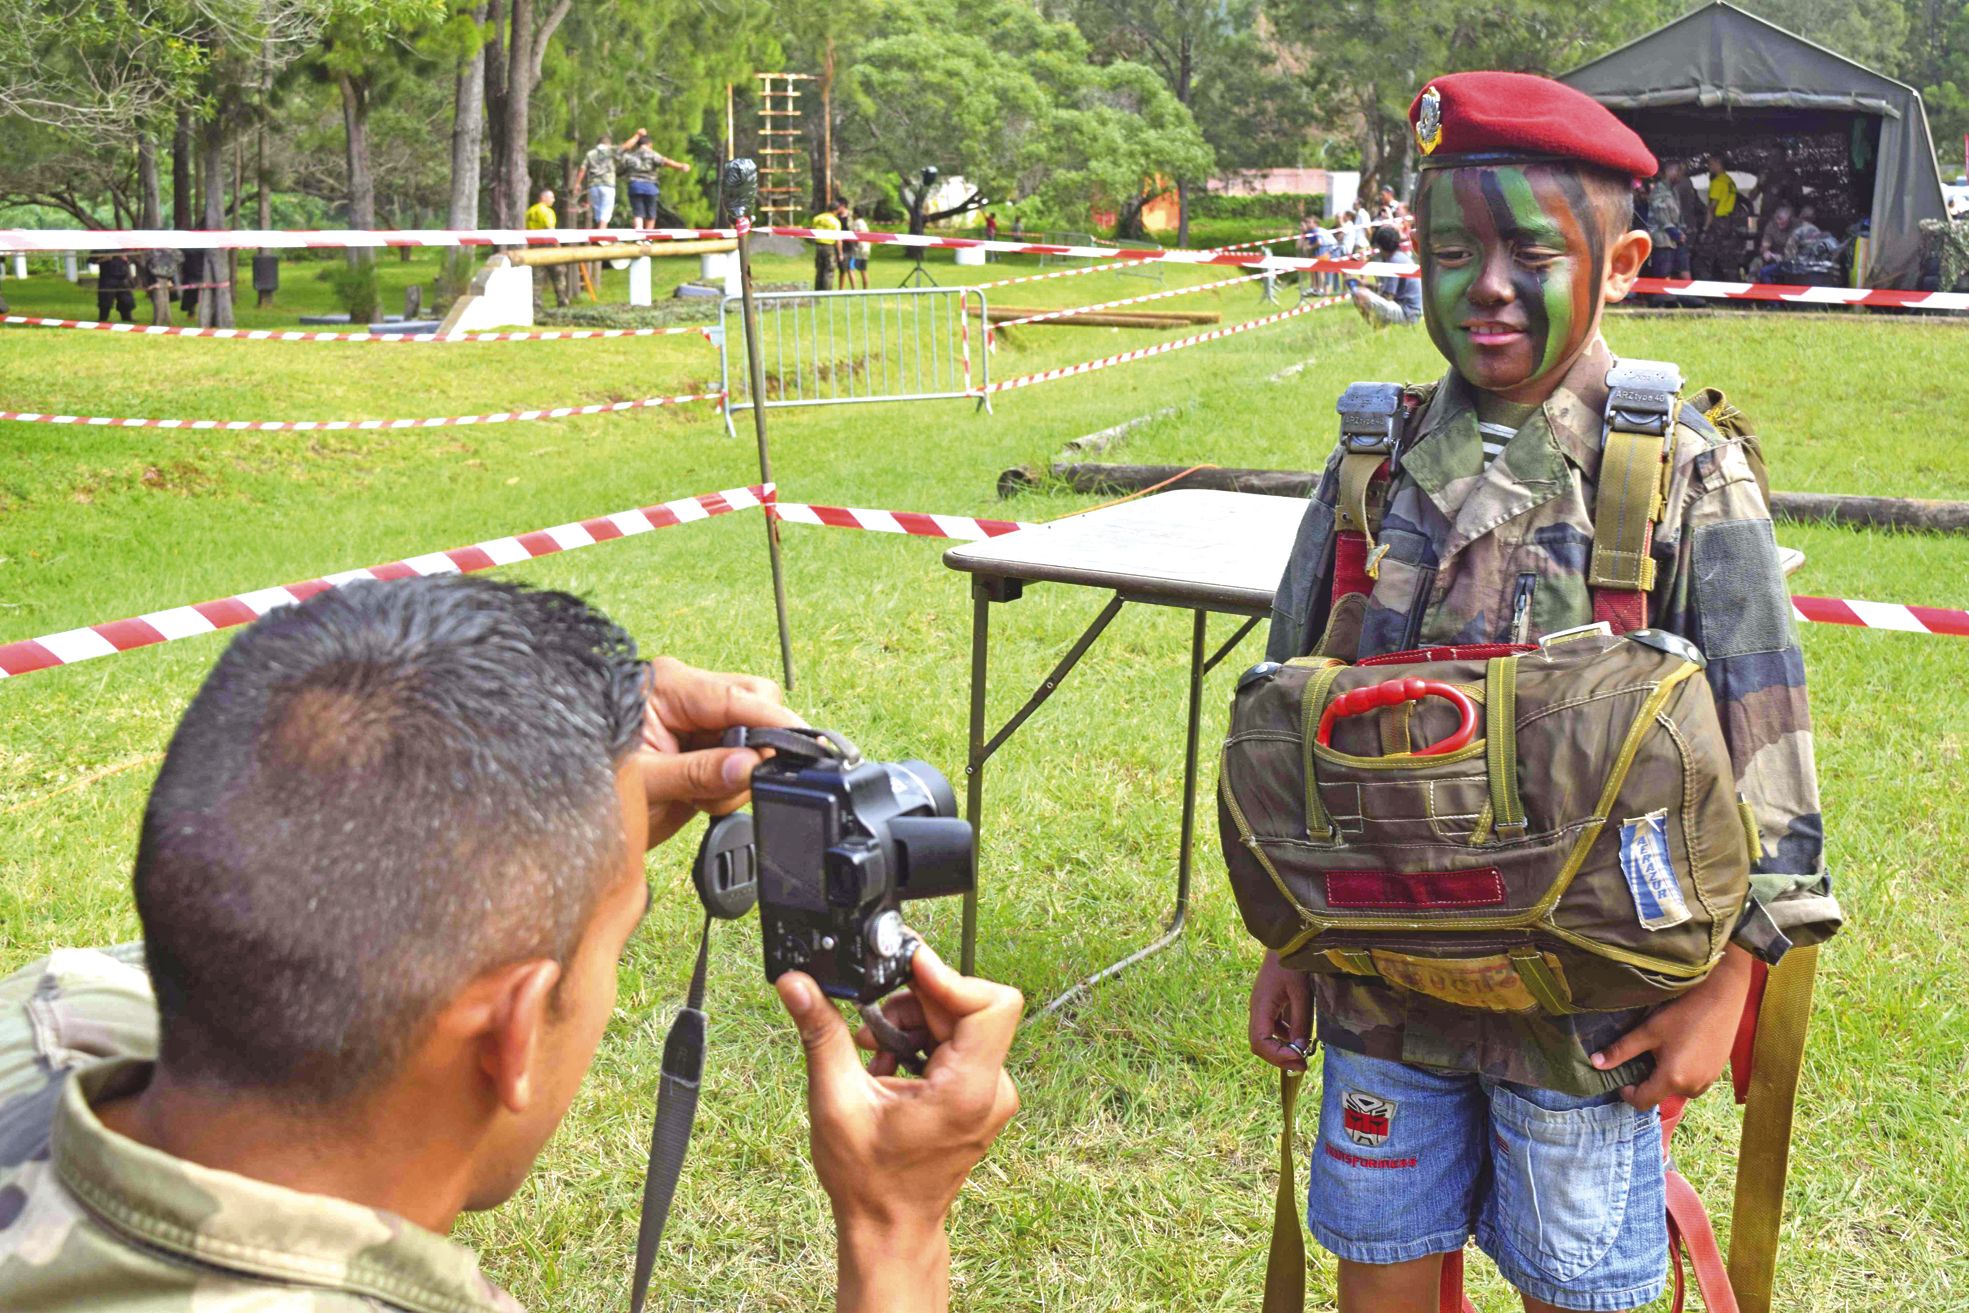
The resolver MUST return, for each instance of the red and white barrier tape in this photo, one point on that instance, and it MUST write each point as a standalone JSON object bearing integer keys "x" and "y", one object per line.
{"x": 1795, "y": 294}
{"x": 1126, "y": 300}
{"x": 1141, "y": 353}
{"x": 1817, "y": 610}
{"x": 287, "y": 335}
{"x": 1882, "y": 615}
{"x": 339, "y": 425}
{"x": 917, "y": 523}
{"x": 70, "y": 646}
{"x": 328, "y": 239}
{"x": 1256, "y": 243}
{"x": 72, "y": 239}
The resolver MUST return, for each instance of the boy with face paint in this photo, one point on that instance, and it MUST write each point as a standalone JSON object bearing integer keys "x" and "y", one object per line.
{"x": 1536, "y": 1133}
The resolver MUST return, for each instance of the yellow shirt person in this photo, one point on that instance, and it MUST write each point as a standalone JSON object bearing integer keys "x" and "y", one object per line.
{"x": 541, "y": 213}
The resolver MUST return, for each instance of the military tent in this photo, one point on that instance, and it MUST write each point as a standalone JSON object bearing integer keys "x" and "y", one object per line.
{"x": 1811, "y": 125}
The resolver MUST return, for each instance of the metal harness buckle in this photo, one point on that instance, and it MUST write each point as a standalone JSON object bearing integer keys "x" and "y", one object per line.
{"x": 1641, "y": 396}
{"x": 1368, "y": 418}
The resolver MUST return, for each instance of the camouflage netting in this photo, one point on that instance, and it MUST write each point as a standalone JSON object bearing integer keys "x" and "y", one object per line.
{"x": 1947, "y": 239}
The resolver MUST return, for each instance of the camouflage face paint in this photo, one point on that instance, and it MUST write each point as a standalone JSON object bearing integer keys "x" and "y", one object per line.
{"x": 1513, "y": 259}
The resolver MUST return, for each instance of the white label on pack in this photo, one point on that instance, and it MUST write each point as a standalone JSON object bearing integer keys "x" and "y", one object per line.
{"x": 1658, "y": 901}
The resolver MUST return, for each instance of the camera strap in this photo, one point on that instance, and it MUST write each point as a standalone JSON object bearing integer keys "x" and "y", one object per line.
{"x": 676, "y": 1110}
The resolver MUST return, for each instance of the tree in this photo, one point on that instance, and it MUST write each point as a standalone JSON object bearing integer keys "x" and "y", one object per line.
{"x": 515, "y": 51}
{"x": 1189, "y": 42}
{"x": 1004, "y": 97}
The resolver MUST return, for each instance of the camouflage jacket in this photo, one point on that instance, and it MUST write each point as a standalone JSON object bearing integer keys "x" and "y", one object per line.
{"x": 92, "y": 1220}
{"x": 1482, "y": 555}
{"x": 600, "y": 163}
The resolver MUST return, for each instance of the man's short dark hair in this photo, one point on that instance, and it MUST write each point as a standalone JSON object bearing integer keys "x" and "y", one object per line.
{"x": 375, "y": 796}
{"x": 1387, "y": 239}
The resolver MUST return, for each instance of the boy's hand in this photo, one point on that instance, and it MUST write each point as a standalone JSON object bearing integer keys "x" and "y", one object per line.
{"x": 1281, "y": 1015}
{"x": 1690, "y": 1038}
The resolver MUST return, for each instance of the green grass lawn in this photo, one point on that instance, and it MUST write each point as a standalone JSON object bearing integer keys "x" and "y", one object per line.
{"x": 1138, "y": 1174}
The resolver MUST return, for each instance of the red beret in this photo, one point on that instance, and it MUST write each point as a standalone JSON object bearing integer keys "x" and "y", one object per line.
{"x": 1518, "y": 114}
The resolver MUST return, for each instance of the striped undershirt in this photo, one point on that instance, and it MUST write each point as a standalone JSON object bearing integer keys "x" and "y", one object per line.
{"x": 1494, "y": 437}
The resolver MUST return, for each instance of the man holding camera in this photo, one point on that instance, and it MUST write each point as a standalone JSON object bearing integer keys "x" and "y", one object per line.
{"x": 386, "y": 873}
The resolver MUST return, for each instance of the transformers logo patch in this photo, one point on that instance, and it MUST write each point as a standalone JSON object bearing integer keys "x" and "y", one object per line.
{"x": 1366, "y": 1118}
{"x": 1429, "y": 121}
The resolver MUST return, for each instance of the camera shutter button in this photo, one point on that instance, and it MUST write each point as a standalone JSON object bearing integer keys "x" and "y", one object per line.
{"x": 885, "y": 934}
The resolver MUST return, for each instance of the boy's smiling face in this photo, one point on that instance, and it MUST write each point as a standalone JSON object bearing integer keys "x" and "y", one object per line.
{"x": 1517, "y": 263}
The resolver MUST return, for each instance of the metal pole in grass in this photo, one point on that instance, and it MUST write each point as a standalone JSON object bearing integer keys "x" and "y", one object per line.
{"x": 739, "y": 183}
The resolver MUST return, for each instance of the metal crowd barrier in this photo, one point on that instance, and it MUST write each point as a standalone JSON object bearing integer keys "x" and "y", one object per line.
{"x": 836, "y": 348}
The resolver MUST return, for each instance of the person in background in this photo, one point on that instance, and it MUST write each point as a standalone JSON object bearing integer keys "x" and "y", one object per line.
{"x": 1393, "y": 299}
{"x": 827, "y": 253}
{"x": 858, "y": 262}
{"x": 991, "y": 233}
{"x": 541, "y": 215}
{"x": 1670, "y": 258}
{"x": 1719, "y": 253}
{"x": 598, "y": 176}
{"x": 1772, "y": 245}
{"x": 115, "y": 281}
{"x": 640, "y": 163}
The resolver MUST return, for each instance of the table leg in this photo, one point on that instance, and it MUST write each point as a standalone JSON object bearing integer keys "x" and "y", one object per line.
{"x": 1199, "y": 636}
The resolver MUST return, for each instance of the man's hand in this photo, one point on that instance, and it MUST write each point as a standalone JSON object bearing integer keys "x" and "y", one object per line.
{"x": 1281, "y": 1014}
{"x": 892, "y": 1152}
{"x": 684, "y": 770}
{"x": 1690, "y": 1037}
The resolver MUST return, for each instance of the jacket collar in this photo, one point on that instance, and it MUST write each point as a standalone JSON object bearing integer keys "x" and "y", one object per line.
{"x": 219, "y": 1220}
{"x": 1446, "y": 459}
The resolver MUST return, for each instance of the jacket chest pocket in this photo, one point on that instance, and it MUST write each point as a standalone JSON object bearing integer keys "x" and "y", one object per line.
{"x": 1403, "y": 589}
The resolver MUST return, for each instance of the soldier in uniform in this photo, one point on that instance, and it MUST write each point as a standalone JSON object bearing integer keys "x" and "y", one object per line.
{"x": 1536, "y": 1133}
{"x": 386, "y": 874}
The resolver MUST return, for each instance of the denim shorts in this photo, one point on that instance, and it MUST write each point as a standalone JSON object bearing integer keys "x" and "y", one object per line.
{"x": 1565, "y": 1193}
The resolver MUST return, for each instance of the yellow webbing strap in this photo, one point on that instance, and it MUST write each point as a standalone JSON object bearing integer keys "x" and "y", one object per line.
{"x": 1764, "y": 1151}
{"x": 1629, "y": 501}
{"x": 1285, "y": 1265}
{"x": 1351, "y": 511}
{"x": 1544, "y": 984}
{"x": 1507, "y": 811}
{"x": 1319, "y": 826}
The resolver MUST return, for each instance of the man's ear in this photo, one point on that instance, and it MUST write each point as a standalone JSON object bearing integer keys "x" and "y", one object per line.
{"x": 502, "y": 1016}
{"x": 1625, "y": 260}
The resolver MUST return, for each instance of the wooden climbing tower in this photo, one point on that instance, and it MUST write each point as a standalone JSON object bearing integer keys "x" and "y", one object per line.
{"x": 784, "y": 159}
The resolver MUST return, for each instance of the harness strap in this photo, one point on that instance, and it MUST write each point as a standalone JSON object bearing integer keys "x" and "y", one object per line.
{"x": 1319, "y": 825}
{"x": 676, "y": 1109}
{"x": 1507, "y": 810}
{"x": 1633, "y": 489}
{"x": 1285, "y": 1265}
{"x": 1763, "y": 1152}
{"x": 1370, "y": 426}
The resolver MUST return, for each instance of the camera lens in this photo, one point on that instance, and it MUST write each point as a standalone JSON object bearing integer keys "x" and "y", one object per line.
{"x": 925, "y": 786}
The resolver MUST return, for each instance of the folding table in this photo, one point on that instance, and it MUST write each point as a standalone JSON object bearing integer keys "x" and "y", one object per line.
{"x": 1202, "y": 551}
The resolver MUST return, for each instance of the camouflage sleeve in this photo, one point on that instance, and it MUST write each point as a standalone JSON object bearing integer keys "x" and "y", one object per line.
{"x": 1726, "y": 591}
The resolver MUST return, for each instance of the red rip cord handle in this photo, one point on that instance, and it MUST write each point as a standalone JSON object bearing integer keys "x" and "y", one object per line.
{"x": 1393, "y": 692}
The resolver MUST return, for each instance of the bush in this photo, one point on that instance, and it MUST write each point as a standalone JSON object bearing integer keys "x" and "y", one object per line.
{"x": 355, "y": 289}
{"x": 1286, "y": 206}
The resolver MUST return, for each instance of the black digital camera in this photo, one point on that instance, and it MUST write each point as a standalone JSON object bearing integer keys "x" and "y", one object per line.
{"x": 833, "y": 847}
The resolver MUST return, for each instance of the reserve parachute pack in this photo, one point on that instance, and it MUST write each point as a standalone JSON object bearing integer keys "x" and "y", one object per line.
{"x": 1549, "y": 826}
